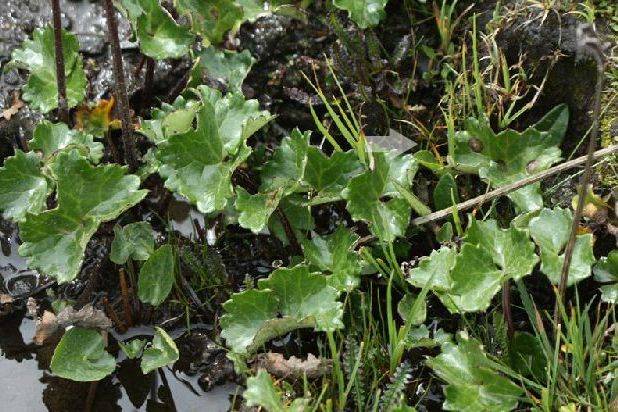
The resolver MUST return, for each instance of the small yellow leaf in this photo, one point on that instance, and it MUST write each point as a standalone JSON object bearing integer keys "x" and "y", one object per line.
{"x": 95, "y": 119}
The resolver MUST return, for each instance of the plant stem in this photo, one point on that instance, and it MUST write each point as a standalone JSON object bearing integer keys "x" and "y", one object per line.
{"x": 289, "y": 232}
{"x": 587, "y": 41}
{"x": 285, "y": 222}
{"x": 124, "y": 292}
{"x": 140, "y": 66}
{"x": 63, "y": 108}
{"x": 121, "y": 88}
{"x": 111, "y": 313}
{"x": 148, "y": 84}
{"x": 178, "y": 88}
{"x": 506, "y": 308}
{"x": 112, "y": 147}
{"x": 337, "y": 369}
{"x": 92, "y": 393}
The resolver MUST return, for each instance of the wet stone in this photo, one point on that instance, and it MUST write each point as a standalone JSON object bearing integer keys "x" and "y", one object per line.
{"x": 19, "y": 283}
{"x": 263, "y": 38}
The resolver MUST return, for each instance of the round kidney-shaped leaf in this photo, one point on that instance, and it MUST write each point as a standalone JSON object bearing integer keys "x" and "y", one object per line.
{"x": 156, "y": 277}
{"x": 162, "y": 352}
{"x": 81, "y": 356}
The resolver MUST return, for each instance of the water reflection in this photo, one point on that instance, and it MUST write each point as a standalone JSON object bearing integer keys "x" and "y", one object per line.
{"x": 27, "y": 385}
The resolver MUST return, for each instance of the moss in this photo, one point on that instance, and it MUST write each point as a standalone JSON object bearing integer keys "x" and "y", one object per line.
{"x": 607, "y": 171}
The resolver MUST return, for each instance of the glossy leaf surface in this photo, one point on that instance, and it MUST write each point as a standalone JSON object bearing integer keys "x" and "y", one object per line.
{"x": 54, "y": 241}
{"x": 81, "y": 356}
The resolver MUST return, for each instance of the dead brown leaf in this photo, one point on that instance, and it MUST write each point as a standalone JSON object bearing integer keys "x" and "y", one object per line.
{"x": 281, "y": 367}
{"x": 45, "y": 327}
{"x": 6, "y": 299}
{"x": 95, "y": 118}
{"x": 86, "y": 317}
{"x": 12, "y": 111}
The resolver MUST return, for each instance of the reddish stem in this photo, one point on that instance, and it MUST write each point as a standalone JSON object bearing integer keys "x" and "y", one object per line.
{"x": 63, "y": 108}
{"x": 148, "y": 84}
{"x": 111, "y": 313}
{"x": 124, "y": 291}
{"x": 122, "y": 97}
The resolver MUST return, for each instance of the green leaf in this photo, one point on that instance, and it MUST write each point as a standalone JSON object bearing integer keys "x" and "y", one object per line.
{"x": 526, "y": 356}
{"x": 50, "y": 138}
{"x": 606, "y": 271}
{"x": 252, "y": 9}
{"x": 133, "y": 241}
{"x": 329, "y": 175}
{"x": 131, "y": 9}
{"x": 297, "y": 211}
{"x": 476, "y": 280}
{"x": 468, "y": 280}
{"x": 511, "y": 249}
{"x": 287, "y": 165}
{"x": 445, "y": 233}
{"x": 434, "y": 270}
{"x": 247, "y": 314}
{"x": 473, "y": 384}
{"x": 509, "y": 156}
{"x": 133, "y": 348}
{"x": 199, "y": 163}
{"x": 296, "y": 165}
{"x": 609, "y": 293}
{"x": 262, "y": 392}
{"x": 160, "y": 353}
{"x": 335, "y": 253}
{"x": 445, "y": 192}
{"x": 229, "y": 68}
{"x": 54, "y": 241}
{"x": 156, "y": 276}
{"x": 160, "y": 37}
{"x": 38, "y": 57}
{"x": 289, "y": 299}
{"x": 23, "y": 187}
{"x": 303, "y": 296}
{"x": 365, "y": 13}
{"x": 427, "y": 159}
{"x": 418, "y": 337}
{"x": 255, "y": 210}
{"x": 555, "y": 124}
{"x": 213, "y": 19}
{"x": 401, "y": 171}
{"x": 170, "y": 120}
{"x": 81, "y": 356}
{"x": 405, "y": 307}
{"x": 387, "y": 220}
{"x": 550, "y": 230}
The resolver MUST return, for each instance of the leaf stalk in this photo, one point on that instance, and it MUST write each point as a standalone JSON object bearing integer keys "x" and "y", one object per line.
{"x": 122, "y": 97}
{"x": 63, "y": 108}
{"x": 588, "y": 43}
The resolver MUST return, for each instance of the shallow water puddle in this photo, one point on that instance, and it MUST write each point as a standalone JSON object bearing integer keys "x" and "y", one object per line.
{"x": 27, "y": 385}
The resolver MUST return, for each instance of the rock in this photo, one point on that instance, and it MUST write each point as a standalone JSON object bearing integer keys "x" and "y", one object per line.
{"x": 569, "y": 81}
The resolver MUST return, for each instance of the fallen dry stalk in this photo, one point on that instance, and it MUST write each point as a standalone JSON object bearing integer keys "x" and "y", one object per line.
{"x": 479, "y": 200}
